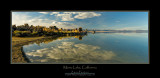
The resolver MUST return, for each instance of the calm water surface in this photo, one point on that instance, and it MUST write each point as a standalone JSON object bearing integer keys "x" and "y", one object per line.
{"x": 98, "y": 48}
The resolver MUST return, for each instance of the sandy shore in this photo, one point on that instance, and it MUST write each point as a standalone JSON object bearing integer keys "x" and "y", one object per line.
{"x": 18, "y": 56}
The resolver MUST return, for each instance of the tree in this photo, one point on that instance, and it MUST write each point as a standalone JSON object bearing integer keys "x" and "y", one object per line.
{"x": 80, "y": 29}
{"x": 13, "y": 28}
{"x": 53, "y": 27}
{"x": 31, "y": 28}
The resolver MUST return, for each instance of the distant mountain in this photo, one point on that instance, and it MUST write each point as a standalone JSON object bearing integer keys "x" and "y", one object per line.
{"x": 137, "y": 31}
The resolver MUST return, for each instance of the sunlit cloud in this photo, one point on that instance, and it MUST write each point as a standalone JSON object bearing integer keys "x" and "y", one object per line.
{"x": 84, "y": 15}
{"x": 54, "y": 13}
{"x": 51, "y": 13}
{"x": 20, "y": 19}
{"x": 44, "y": 12}
{"x": 65, "y": 17}
{"x": 64, "y": 24}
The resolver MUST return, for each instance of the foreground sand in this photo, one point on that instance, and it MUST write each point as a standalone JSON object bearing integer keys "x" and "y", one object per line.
{"x": 17, "y": 42}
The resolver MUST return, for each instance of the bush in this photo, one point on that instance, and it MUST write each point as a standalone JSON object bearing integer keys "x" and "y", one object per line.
{"x": 34, "y": 33}
{"x": 21, "y": 33}
{"x": 17, "y": 35}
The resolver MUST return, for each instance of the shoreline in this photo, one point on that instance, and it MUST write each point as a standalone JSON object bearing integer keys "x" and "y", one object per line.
{"x": 17, "y": 54}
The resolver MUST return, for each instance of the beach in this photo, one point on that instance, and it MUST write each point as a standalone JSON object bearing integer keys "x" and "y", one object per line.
{"x": 17, "y": 42}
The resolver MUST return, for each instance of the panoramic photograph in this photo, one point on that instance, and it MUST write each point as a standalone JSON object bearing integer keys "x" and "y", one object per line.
{"x": 80, "y": 37}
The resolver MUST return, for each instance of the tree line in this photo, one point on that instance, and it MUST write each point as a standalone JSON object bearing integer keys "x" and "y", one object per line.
{"x": 26, "y": 30}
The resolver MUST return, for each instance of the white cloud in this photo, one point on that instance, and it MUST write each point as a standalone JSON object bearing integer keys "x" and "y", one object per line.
{"x": 65, "y": 17}
{"x": 35, "y": 20}
{"x": 54, "y": 13}
{"x": 84, "y": 15}
{"x": 51, "y": 13}
{"x": 44, "y": 12}
{"x": 64, "y": 24}
{"x": 20, "y": 19}
{"x": 47, "y": 22}
{"x": 72, "y": 12}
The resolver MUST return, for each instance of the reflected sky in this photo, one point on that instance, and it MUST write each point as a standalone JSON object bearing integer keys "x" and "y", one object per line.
{"x": 69, "y": 52}
{"x": 98, "y": 48}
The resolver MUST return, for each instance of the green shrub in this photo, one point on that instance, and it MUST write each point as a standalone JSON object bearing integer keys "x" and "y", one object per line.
{"x": 21, "y": 33}
{"x": 17, "y": 35}
{"x": 34, "y": 33}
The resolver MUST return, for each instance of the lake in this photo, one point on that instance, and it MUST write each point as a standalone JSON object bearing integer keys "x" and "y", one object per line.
{"x": 98, "y": 48}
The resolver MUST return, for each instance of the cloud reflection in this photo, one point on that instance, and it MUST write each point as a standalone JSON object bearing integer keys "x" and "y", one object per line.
{"x": 69, "y": 52}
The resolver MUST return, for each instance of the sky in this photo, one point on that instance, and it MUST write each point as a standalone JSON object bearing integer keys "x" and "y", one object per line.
{"x": 100, "y": 20}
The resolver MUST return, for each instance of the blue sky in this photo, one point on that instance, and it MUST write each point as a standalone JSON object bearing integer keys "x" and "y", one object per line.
{"x": 87, "y": 20}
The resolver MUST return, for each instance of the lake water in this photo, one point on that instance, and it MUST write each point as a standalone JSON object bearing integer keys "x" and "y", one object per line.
{"x": 98, "y": 48}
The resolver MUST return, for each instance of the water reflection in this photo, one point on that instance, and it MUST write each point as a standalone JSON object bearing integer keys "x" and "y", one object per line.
{"x": 69, "y": 52}
{"x": 48, "y": 40}
{"x": 104, "y": 48}
{"x": 80, "y": 37}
